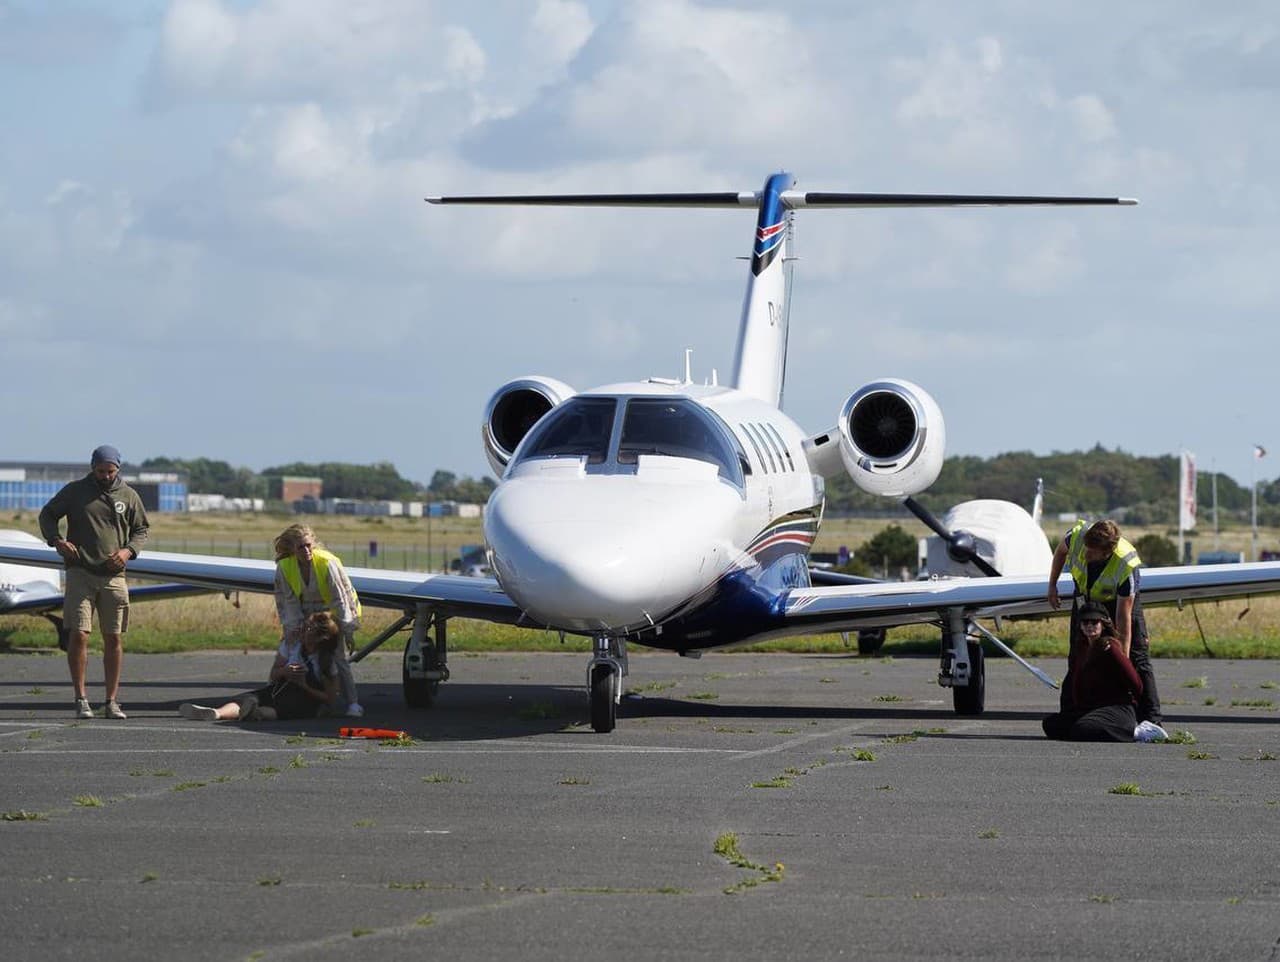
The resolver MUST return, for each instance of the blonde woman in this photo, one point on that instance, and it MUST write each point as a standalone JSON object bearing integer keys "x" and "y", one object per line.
{"x": 310, "y": 579}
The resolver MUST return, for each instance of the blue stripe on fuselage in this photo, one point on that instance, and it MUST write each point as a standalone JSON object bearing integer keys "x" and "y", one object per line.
{"x": 741, "y": 604}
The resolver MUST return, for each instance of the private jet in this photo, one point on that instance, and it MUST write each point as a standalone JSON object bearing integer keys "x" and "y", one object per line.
{"x": 679, "y": 516}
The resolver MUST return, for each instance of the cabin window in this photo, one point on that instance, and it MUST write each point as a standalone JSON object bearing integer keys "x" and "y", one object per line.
{"x": 756, "y": 445}
{"x": 757, "y": 434}
{"x": 782, "y": 444}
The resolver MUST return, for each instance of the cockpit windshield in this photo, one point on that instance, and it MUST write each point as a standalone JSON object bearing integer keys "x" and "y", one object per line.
{"x": 677, "y": 428}
{"x": 583, "y": 427}
{"x": 580, "y": 427}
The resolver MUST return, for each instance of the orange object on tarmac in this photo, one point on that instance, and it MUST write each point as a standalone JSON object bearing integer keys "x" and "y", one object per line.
{"x": 370, "y": 733}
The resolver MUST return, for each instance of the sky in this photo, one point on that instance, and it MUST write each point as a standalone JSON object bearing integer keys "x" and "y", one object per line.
{"x": 213, "y": 240}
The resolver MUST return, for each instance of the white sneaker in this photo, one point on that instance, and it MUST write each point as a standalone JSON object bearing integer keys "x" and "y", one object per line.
{"x": 82, "y": 708}
{"x": 1149, "y": 732}
{"x": 355, "y": 710}
{"x": 197, "y": 712}
{"x": 112, "y": 709}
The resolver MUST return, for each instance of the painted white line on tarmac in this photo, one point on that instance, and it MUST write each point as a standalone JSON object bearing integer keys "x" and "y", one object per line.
{"x": 807, "y": 739}
{"x": 385, "y": 753}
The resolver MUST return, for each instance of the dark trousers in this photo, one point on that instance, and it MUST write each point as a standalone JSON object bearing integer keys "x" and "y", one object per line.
{"x": 1110, "y": 723}
{"x": 1149, "y": 701}
{"x": 288, "y": 700}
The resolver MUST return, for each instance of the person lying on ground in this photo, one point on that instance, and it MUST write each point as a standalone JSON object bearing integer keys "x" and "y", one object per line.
{"x": 303, "y": 679}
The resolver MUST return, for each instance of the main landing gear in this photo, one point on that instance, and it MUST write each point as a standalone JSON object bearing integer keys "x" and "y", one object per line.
{"x": 425, "y": 663}
{"x": 963, "y": 665}
{"x": 604, "y": 680}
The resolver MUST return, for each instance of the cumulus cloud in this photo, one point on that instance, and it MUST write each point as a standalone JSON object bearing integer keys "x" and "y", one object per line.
{"x": 664, "y": 76}
{"x": 301, "y": 49}
{"x": 1094, "y": 121}
{"x": 269, "y": 193}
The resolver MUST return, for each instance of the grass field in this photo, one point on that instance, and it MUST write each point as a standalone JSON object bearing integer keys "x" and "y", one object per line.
{"x": 1232, "y": 629}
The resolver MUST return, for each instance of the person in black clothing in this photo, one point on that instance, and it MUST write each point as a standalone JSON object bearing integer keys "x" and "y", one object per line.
{"x": 303, "y": 678}
{"x": 1104, "y": 685}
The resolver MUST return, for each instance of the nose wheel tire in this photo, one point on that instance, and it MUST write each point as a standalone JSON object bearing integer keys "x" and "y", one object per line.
{"x": 972, "y": 698}
{"x": 603, "y": 694}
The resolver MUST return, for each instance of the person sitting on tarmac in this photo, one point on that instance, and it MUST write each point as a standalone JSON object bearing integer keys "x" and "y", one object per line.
{"x": 1105, "y": 687}
{"x": 303, "y": 678}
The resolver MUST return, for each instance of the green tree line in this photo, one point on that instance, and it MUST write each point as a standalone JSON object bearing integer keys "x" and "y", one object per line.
{"x": 371, "y": 482}
{"x": 1137, "y": 490}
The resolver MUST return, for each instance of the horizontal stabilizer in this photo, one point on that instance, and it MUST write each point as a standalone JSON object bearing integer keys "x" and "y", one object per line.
{"x": 818, "y": 198}
{"x": 789, "y": 199}
{"x": 721, "y": 199}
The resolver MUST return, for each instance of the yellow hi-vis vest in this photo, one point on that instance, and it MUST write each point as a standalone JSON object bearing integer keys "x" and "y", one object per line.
{"x": 1124, "y": 561}
{"x": 320, "y": 561}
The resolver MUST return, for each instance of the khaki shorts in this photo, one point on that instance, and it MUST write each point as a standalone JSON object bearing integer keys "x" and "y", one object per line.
{"x": 87, "y": 592}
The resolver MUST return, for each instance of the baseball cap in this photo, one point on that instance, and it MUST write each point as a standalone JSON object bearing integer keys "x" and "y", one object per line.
{"x": 1091, "y": 609}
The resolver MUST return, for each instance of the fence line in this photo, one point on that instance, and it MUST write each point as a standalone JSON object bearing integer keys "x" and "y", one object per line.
{"x": 398, "y": 557}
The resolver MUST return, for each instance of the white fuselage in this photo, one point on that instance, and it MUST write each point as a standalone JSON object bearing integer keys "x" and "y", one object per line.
{"x": 619, "y": 544}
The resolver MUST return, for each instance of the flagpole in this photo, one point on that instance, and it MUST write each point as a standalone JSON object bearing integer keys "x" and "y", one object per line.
{"x": 1254, "y": 509}
{"x": 1182, "y": 503}
{"x": 1213, "y": 473}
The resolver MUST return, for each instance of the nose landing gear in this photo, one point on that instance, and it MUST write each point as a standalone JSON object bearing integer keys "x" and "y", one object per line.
{"x": 604, "y": 681}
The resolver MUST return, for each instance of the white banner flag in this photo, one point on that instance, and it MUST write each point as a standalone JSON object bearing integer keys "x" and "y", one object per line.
{"x": 1187, "y": 492}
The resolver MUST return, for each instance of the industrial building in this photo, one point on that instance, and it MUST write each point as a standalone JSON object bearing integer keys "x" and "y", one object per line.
{"x": 28, "y": 485}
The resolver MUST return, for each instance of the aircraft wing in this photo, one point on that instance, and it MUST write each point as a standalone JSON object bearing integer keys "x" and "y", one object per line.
{"x": 453, "y": 594}
{"x": 850, "y": 607}
{"x": 41, "y": 599}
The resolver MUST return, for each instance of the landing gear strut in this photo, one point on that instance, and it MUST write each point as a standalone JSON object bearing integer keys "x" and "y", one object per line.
{"x": 963, "y": 665}
{"x": 424, "y": 665}
{"x": 604, "y": 680}
{"x": 425, "y": 661}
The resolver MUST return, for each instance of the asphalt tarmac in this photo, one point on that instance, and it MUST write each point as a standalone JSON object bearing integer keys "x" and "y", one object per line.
{"x": 747, "y": 807}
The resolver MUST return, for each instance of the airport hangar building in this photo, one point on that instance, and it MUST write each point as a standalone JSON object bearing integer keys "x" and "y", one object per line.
{"x": 28, "y": 485}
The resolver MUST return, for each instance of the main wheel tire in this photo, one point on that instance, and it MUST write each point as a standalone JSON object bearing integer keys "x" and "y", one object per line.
{"x": 604, "y": 709}
{"x": 972, "y": 699}
{"x": 871, "y": 640}
{"x": 419, "y": 693}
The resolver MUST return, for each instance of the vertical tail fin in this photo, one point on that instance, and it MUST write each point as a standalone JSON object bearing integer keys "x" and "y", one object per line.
{"x": 760, "y": 360}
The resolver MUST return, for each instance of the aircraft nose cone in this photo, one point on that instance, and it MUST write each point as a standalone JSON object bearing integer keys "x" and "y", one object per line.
{"x": 605, "y": 553}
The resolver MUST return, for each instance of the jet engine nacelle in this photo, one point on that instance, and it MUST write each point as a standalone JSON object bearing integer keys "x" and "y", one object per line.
{"x": 515, "y": 408}
{"x": 892, "y": 438}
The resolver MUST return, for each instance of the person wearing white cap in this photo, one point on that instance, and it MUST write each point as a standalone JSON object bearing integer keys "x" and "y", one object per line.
{"x": 106, "y": 527}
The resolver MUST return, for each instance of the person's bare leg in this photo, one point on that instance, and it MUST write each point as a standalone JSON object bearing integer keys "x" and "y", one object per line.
{"x": 112, "y": 662}
{"x": 77, "y": 656}
{"x": 228, "y": 712}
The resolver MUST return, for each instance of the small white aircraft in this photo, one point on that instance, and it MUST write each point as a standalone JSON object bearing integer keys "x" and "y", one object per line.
{"x": 679, "y": 516}
{"x": 30, "y": 590}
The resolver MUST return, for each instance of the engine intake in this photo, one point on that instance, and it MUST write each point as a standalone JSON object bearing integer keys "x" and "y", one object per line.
{"x": 892, "y": 438}
{"x": 513, "y": 410}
